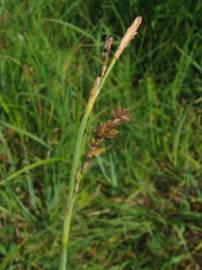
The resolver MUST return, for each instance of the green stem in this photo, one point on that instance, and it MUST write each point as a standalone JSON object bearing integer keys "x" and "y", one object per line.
{"x": 75, "y": 165}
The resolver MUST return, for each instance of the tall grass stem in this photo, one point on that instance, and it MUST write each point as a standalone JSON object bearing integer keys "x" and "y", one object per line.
{"x": 75, "y": 165}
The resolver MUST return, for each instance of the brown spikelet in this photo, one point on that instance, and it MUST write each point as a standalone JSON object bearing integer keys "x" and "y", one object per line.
{"x": 106, "y": 131}
{"x": 129, "y": 35}
{"x": 105, "y": 54}
{"x": 121, "y": 114}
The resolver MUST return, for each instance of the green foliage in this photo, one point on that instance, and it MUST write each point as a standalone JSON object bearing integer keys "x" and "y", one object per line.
{"x": 140, "y": 205}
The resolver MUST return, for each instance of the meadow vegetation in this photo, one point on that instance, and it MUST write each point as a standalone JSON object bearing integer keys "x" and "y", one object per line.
{"x": 140, "y": 204}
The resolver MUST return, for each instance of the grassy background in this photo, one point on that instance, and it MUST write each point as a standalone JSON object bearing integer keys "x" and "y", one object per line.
{"x": 140, "y": 206}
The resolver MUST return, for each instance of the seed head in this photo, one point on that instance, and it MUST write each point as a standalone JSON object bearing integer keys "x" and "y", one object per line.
{"x": 129, "y": 35}
{"x": 102, "y": 132}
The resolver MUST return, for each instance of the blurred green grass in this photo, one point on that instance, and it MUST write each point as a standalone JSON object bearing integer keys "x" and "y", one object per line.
{"x": 140, "y": 205}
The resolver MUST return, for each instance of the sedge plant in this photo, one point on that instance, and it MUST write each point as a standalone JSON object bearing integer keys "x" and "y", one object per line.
{"x": 107, "y": 130}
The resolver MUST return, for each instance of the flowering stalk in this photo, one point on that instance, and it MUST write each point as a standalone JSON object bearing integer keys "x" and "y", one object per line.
{"x": 102, "y": 132}
{"x": 76, "y": 173}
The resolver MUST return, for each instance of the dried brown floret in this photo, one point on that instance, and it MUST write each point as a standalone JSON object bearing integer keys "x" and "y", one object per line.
{"x": 100, "y": 131}
{"x": 94, "y": 152}
{"x": 121, "y": 114}
{"x": 111, "y": 133}
{"x": 107, "y": 130}
{"x": 105, "y": 54}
